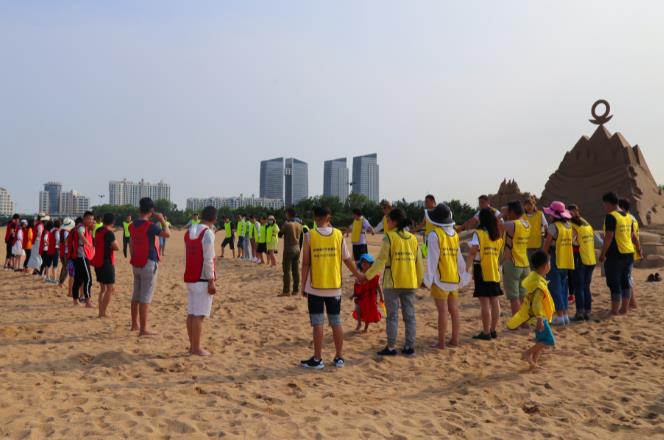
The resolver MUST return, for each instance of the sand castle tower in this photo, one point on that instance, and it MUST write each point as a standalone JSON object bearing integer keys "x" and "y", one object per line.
{"x": 606, "y": 162}
{"x": 508, "y": 191}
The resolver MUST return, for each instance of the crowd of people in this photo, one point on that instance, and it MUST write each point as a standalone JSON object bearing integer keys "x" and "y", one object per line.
{"x": 538, "y": 259}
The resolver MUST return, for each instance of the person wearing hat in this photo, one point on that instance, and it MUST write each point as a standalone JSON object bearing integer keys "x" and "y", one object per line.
{"x": 446, "y": 270}
{"x": 559, "y": 245}
{"x": 63, "y": 251}
{"x": 272, "y": 240}
{"x": 365, "y": 296}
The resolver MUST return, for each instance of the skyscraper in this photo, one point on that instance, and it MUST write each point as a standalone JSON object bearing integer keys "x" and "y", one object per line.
{"x": 6, "y": 204}
{"x": 53, "y": 189}
{"x": 44, "y": 202}
{"x": 365, "y": 176}
{"x": 297, "y": 181}
{"x": 335, "y": 178}
{"x": 72, "y": 203}
{"x": 124, "y": 192}
{"x": 272, "y": 179}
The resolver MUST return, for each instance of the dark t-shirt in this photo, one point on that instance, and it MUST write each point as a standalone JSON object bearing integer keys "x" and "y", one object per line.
{"x": 610, "y": 226}
{"x": 153, "y": 231}
{"x": 109, "y": 238}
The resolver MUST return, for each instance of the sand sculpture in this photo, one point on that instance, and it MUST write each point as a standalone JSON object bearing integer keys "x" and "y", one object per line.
{"x": 508, "y": 191}
{"x": 606, "y": 162}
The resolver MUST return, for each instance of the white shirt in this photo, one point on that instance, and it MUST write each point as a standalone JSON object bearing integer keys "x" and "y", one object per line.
{"x": 363, "y": 233}
{"x": 345, "y": 255}
{"x": 207, "y": 273}
{"x": 432, "y": 275}
{"x": 379, "y": 227}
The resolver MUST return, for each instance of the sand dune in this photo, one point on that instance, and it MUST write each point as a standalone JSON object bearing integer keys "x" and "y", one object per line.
{"x": 66, "y": 374}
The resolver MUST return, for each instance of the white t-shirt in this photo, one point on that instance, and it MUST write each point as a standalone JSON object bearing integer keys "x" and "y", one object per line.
{"x": 363, "y": 234}
{"x": 345, "y": 255}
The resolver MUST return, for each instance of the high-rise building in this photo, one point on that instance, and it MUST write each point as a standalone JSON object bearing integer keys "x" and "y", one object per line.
{"x": 335, "y": 179}
{"x": 73, "y": 204}
{"x": 44, "y": 202}
{"x": 53, "y": 189}
{"x": 365, "y": 176}
{"x": 6, "y": 203}
{"x": 272, "y": 179}
{"x": 196, "y": 204}
{"x": 124, "y": 192}
{"x": 297, "y": 181}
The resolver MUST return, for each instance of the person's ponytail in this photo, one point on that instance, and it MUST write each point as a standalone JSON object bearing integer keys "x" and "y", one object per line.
{"x": 399, "y": 217}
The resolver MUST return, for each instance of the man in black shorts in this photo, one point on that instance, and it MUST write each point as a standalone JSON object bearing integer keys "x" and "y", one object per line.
{"x": 104, "y": 261}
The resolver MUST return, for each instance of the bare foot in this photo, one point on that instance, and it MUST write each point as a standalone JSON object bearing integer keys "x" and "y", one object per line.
{"x": 75, "y": 303}
{"x": 103, "y": 316}
{"x": 524, "y": 356}
{"x": 134, "y": 328}
{"x": 439, "y": 346}
{"x": 531, "y": 361}
{"x": 200, "y": 352}
{"x": 148, "y": 333}
{"x": 89, "y": 304}
{"x": 536, "y": 366}
{"x": 453, "y": 342}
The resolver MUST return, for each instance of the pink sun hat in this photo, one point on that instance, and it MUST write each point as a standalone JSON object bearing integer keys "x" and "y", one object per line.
{"x": 558, "y": 210}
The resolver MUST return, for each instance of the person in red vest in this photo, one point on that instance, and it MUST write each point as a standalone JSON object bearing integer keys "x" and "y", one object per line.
{"x": 144, "y": 250}
{"x": 10, "y": 238}
{"x": 43, "y": 250}
{"x": 104, "y": 261}
{"x": 81, "y": 251}
{"x": 200, "y": 276}
{"x": 67, "y": 225}
{"x": 53, "y": 252}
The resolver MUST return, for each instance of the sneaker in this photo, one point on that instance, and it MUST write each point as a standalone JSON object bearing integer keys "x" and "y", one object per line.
{"x": 578, "y": 318}
{"x": 586, "y": 316}
{"x": 387, "y": 352}
{"x": 493, "y": 334}
{"x": 312, "y": 363}
{"x": 408, "y": 351}
{"x": 567, "y": 321}
{"x": 482, "y": 336}
{"x": 339, "y": 362}
{"x": 558, "y": 322}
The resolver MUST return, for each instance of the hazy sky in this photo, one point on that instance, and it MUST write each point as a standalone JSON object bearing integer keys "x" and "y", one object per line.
{"x": 453, "y": 96}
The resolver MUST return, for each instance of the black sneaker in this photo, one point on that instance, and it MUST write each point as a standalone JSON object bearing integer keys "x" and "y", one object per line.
{"x": 312, "y": 363}
{"x": 482, "y": 336}
{"x": 578, "y": 318}
{"x": 493, "y": 334}
{"x": 408, "y": 351}
{"x": 586, "y": 316}
{"x": 387, "y": 352}
{"x": 339, "y": 362}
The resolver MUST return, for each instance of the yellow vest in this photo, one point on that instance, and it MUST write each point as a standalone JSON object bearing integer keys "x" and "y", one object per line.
{"x": 635, "y": 227}
{"x": 448, "y": 266}
{"x": 535, "y": 221}
{"x": 356, "y": 233}
{"x": 489, "y": 252}
{"x": 125, "y": 226}
{"x": 520, "y": 241}
{"x": 386, "y": 227}
{"x": 585, "y": 236}
{"x": 325, "y": 259}
{"x": 564, "y": 250}
{"x": 403, "y": 259}
{"x": 623, "y": 233}
{"x": 428, "y": 227}
{"x": 262, "y": 234}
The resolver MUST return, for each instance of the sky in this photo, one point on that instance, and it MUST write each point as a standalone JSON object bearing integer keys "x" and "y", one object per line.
{"x": 453, "y": 96}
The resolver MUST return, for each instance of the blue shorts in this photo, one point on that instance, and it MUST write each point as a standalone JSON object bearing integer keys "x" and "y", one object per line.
{"x": 546, "y": 335}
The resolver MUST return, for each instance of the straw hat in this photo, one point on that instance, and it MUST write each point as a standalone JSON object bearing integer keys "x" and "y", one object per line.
{"x": 68, "y": 224}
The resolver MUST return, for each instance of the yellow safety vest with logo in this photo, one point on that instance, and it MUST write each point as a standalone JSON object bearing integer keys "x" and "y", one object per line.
{"x": 268, "y": 233}
{"x": 535, "y": 221}
{"x": 325, "y": 251}
{"x": 520, "y": 241}
{"x": 564, "y": 249}
{"x": 403, "y": 259}
{"x": 623, "y": 233}
{"x": 635, "y": 228}
{"x": 240, "y": 228}
{"x": 262, "y": 234}
{"x": 228, "y": 229}
{"x": 386, "y": 227}
{"x": 448, "y": 265}
{"x": 356, "y": 233}
{"x": 125, "y": 226}
{"x": 585, "y": 236}
{"x": 489, "y": 253}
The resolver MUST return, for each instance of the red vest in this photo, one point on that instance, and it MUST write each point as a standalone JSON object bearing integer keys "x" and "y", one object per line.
{"x": 88, "y": 249}
{"x": 71, "y": 250}
{"x": 63, "y": 244}
{"x": 100, "y": 249}
{"x": 139, "y": 244}
{"x": 193, "y": 257}
{"x": 52, "y": 250}
{"x": 42, "y": 241}
{"x": 11, "y": 228}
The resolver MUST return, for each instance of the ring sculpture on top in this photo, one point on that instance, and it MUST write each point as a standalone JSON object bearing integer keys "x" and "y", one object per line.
{"x": 604, "y": 118}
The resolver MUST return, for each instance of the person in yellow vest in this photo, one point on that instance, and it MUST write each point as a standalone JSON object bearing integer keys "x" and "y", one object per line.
{"x": 446, "y": 271}
{"x": 383, "y": 225}
{"x": 252, "y": 233}
{"x": 261, "y": 240}
{"x": 618, "y": 253}
{"x": 163, "y": 240}
{"x": 473, "y": 222}
{"x": 323, "y": 253}
{"x": 358, "y": 234}
{"x": 98, "y": 224}
{"x": 558, "y": 244}
{"x": 125, "y": 234}
{"x": 625, "y": 206}
{"x": 486, "y": 246}
{"x": 538, "y": 225}
{"x": 515, "y": 256}
{"x": 401, "y": 261}
{"x": 584, "y": 263}
{"x": 240, "y": 229}
{"x": 272, "y": 240}
{"x": 537, "y": 308}
{"x": 229, "y": 237}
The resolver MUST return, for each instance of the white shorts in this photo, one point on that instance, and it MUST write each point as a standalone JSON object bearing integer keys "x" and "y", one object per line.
{"x": 200, "y": 301}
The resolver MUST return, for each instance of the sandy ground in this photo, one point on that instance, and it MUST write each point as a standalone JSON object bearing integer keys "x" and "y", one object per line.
{"x": 66, "y": 374}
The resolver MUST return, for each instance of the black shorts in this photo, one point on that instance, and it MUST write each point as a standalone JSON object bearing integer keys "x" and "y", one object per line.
{"x": 261, "y": 248}
{"x": 46, "y": 259}
{"x": 9, "y": 249}
{"x": 106, "y": 273}
{"x": 240, "y": 242}
{"x": 359, "y": 250}
{"x": 484, "y": 288}
{"x": 54, "y": 260}
{"x": 228, "y": 241}
{"x": 317, "y": 306}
